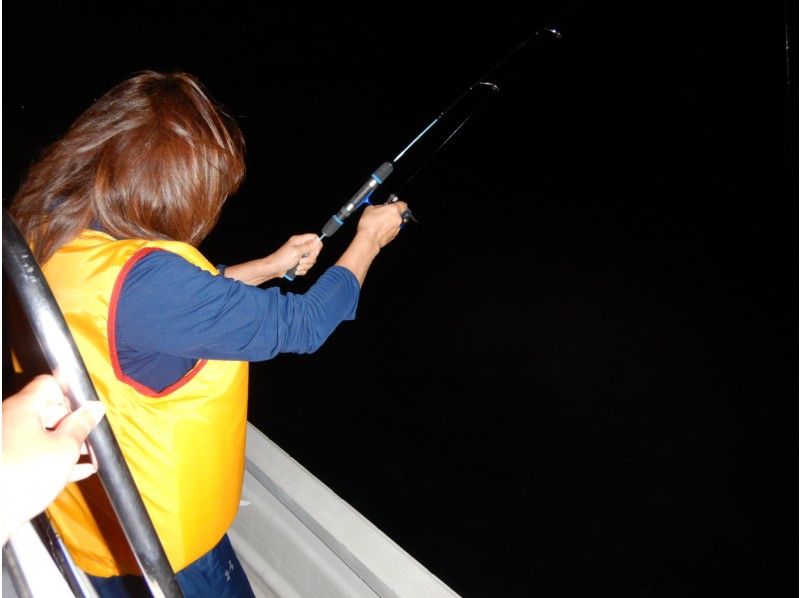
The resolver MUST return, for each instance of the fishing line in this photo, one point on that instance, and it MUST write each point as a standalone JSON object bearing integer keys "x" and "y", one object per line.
{"x": 484, "y": 84}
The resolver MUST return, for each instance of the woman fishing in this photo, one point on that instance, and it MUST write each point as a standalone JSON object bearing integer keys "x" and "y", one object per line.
{"x": 114, "y": 211}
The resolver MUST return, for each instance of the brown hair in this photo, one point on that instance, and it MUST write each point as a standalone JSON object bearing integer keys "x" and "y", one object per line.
{"x": 154, "y": 158}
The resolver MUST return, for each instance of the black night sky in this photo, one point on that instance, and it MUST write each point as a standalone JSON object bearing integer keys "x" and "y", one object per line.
{"x": 578, "y": 372}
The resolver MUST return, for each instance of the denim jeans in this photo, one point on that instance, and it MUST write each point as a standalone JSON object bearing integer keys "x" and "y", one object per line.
{"x": 217, "y": 573}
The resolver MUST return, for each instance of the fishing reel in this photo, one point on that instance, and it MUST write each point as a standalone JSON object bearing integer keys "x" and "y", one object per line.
{"x": 407, "y": 216}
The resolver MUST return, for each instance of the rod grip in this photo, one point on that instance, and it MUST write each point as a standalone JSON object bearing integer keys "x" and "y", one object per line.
{"x": 361, "y": 196}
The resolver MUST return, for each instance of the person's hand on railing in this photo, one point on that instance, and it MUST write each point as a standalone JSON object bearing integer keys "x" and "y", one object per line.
{"x": 43, "y": 441}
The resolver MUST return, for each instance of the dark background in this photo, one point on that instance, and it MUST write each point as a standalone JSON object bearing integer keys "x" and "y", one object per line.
{"x": 578, "y": 372}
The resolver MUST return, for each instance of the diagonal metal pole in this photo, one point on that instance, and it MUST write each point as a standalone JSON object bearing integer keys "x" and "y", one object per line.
{"x": 59, "y": 349}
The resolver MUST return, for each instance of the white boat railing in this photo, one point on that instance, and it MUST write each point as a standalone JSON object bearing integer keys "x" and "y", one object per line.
{"x": 297, "y": 538}
{"x": 294, "y": 536}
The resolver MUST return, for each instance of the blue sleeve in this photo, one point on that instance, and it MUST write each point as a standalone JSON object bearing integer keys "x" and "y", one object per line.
{"x": 168, "y": 305}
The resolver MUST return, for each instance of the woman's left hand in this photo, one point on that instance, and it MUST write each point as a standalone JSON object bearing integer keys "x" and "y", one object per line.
{"x": 299, "y": 252}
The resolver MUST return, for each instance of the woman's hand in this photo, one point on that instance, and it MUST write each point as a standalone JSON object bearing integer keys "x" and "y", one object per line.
{"x": 382, "y": 223}
{"x": 299, "y": 250}
{"x": 377, "y": 227}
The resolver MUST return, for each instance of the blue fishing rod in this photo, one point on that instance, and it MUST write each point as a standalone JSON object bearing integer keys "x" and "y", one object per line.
{"x": 469, "y": 102}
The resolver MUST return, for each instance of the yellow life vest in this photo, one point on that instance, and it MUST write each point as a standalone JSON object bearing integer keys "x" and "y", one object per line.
{"x": 184, "y": 445}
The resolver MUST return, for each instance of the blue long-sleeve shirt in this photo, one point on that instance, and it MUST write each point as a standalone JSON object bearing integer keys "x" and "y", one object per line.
{"x": 171, "y": 313}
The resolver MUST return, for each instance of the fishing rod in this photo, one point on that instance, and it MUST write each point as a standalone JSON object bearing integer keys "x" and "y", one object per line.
{"x": 484, "y": 87}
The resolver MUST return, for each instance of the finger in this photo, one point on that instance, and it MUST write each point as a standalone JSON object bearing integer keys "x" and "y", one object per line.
{"x": 81, "y": 471}
{"x": 51, "y": 414}
{"x": 44, "y": 396}
{"x": 313, "y": 246}
{"x": 399, "y": 207}
{"x": 77, "y": 425}
{"x": 304, "y": 266}
{"x": 307, "y": 238}
{"x": 43, "y": 389}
